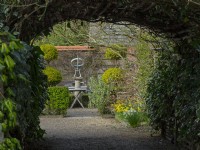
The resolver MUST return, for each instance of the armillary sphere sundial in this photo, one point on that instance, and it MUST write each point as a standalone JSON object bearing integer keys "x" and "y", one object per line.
{"x": 77, "y": 63}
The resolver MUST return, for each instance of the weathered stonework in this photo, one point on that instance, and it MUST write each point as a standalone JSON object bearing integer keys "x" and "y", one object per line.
{"x": 102, "y": 34}
{"x": 90, "y": 68}
{"x": 108, "y": 34}
{"x": 94, "y": 63}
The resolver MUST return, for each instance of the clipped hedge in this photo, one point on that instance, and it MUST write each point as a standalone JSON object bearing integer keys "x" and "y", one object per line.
{"x": 54, "y": 76}
{"x": 50, "y": 52}
{"x": 58, "y": 100}
{"x": 115, "y": 52}
{"x": 112, "y": 75}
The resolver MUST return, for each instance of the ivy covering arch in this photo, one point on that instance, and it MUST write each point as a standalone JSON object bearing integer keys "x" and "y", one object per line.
{"x": 173, "y": 97}
{"x": 177, "y": 19}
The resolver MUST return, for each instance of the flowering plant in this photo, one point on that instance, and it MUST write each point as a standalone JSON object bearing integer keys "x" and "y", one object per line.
{"x": 129, "y": 111}
{"x": 128, "y": 106}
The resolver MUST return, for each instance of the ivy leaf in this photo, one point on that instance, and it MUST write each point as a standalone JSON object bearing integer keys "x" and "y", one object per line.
{"x": 16, "y": 56}
{"x": 10, "y": 92}
{"x": 4, "y": 78}
{"x": 9, "y": 62}
{"x": 16, "y": 33}
{"x": 22, "y": 77}
{"x": 4, "y": 127}
{"x": 13, "y": 45}
{"x": 5, "y": 48}
{"x": 1, "y": 25}
{"x": 1, "y": 67}
{"x": 6, "y": 28}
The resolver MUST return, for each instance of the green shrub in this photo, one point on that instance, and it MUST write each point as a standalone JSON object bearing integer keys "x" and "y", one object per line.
{"x": 115, "y": 52}
{"x": 58, "y": 100}
{"x": 112, "y": 75}
{"x": 54, "y": 76}
{"x": 100, "y": 95}
{"x": 50, "y": 52}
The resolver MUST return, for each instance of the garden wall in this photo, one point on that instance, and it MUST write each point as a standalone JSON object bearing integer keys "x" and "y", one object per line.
{"x": 94, "y": 60}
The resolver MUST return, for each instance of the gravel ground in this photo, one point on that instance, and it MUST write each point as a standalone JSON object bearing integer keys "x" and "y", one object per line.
{"x": 84, "y": 129}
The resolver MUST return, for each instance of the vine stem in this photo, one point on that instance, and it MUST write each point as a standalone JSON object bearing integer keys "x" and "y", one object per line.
{"x": 191, "y": 1}
{"x": 1, "y": 91}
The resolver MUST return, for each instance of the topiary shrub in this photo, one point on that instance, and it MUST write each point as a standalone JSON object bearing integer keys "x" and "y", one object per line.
{"x": 54, "y": 76}
{"x": 115, "y": 52}
{"x": 50, "y": 52}
{"x": 112, "y": 75}
{"x": 58, "y": 100}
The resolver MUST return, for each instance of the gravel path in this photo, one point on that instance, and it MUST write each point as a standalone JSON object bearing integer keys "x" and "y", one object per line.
{"x": 84, "y": 129}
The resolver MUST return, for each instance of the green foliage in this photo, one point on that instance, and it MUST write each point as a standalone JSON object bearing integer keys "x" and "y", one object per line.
{"x": 135, "y": 119}
{"x": 173, "y": 94}
{"x": 112, "y": 75}
{"x": 24, "y": 89}
{"x": 145, "y": 66}
{"x": 58, "y": 100}
{"x": 67, "y": 33}
{"x": 100, "y": 95}
{"x": 9, "y": 112}
{"x": 54, "y": 76}
{"x": 115, "y": 52}
{"x": 10, "y": 144}
{"x": 130, "y": 111}
{"x": 50, "y": 52}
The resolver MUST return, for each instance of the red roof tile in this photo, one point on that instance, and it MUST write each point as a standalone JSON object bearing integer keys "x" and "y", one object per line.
{"x": 74, "y": 48}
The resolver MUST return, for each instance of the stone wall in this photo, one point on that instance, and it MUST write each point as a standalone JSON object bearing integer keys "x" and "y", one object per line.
{"x": 102, "y": 34}
{"x": 108, "y": 33}
{"x": 94, "y": 63}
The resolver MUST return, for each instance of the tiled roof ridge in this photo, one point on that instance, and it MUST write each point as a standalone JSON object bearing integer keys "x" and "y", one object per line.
{"x": 76, "y": 47}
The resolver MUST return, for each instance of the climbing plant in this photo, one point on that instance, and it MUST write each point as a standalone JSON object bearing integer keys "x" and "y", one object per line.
{"x": 24, "y": 91}
{"x": 173, "y": 95}
{"x": 177, "y": 20}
